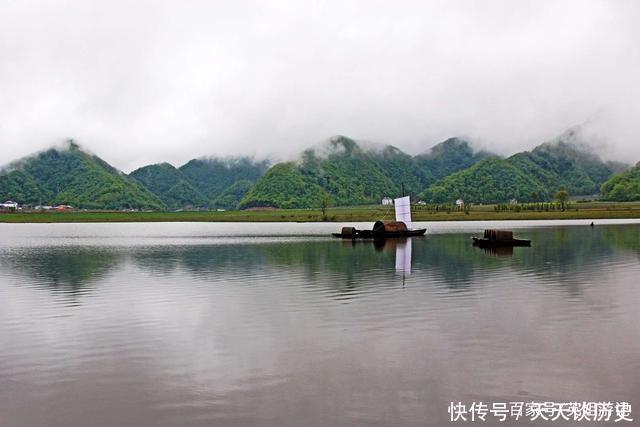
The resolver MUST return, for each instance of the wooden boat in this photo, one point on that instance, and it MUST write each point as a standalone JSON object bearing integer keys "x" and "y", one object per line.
{"x": 401, "y": 227}
{"x": 395, "y": 229}
{"x": 380, "y": 230}
{"x": 492, "y": 238}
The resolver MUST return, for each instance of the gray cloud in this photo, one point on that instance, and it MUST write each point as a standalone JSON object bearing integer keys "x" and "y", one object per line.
{"x": 146, "y": 81}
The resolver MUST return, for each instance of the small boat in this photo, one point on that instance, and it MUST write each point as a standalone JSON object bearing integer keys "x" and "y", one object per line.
{"x": 494, "y": 238}
{"x": 401, "y": 227}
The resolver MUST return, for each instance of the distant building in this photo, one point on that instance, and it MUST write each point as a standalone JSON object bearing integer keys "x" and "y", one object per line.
{"x": 421, "y": 203}
{"x": 513, "y": 201}
{"x": 460, "y": 202}
{"x": 9, "y": 205}
{"x": 387, "y": 201}
{"x": 63, "y": 208}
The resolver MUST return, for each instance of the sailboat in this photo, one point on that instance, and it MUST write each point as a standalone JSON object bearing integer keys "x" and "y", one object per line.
{"x": 401, "y": 227}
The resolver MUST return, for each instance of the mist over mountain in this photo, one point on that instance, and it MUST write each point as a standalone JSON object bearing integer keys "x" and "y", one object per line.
{"x": 169, "y": 185}
{"x": 564, "y": 163}
{"x": 339, "y": 172}
{"x": 202, "y": 183}
{"x": 445, "y": 158}
{"x": 154, "y": 83}
{"x": 349, "y": 174}
{"x": 214, "y": 176}
{"x": 68, "y": 175}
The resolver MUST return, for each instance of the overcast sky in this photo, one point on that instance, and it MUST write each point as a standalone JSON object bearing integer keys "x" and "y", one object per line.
{"x": 139, "y": 82}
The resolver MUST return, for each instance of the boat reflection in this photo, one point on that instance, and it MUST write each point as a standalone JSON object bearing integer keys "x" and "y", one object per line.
{"x": 403, "y": 256}
{"x": 402, "y": 247}
{"x": 500, "y": 251}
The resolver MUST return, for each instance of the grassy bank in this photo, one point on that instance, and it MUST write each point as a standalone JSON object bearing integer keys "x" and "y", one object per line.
{"x": 595, "y": 210}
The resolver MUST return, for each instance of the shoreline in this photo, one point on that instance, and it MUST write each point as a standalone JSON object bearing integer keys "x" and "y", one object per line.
{"x": 335, "y": 215}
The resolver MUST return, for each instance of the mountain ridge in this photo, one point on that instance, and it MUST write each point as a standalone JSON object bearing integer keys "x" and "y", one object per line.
{"x": 338, "y": 172}
{"x": 560, "y": 164}
{"x": 71, "y": 176}
{"x": 349, "y": 174}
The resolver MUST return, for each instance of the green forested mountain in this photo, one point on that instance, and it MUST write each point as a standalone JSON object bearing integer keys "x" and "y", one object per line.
{"x": 490, "y": 180}
{"x": 232, "y": 195}
{"x": 170, "y": 185}
{"x": 202, "y": 183}
{"x": 624, "y": 186}
{"x": 448, "y": 157}
{"x": 214, "y": 177}
{"x": 349, "y": 174}
{"x": 71, "y": 176}
{"x": 561, "y": 164}
{"x": 340, "y": 172}
{"x": 340, "y": 169}
{"x": 284, "y": 186}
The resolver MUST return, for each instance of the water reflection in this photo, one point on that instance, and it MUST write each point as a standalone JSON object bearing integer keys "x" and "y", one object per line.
{"x": 245, "y": 333}
{"x": 497, "y": 250}
{"x": 65, "y": 269}
{"x": 403, "y": 256}
{"x": 560, "y": 255}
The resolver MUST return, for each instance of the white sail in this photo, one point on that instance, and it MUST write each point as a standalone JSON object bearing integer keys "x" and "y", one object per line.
{"x": 403, "y": 257}
{"x": 403, "y": 211}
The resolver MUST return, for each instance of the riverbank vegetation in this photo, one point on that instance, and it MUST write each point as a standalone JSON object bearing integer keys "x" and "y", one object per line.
{"x": 443, "y": 212}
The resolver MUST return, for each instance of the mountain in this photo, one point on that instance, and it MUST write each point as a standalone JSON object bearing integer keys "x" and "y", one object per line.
{"x": 340, "y": 169}
{"x": 69, "y": 175}
{"x": 490, "y": 180}
{"x": 232, "y": 195}
{"x": 349, "y": 174}
{"x": 624, "y": 186}
{"x": 448, "y": 157}
{"x": 284, "y": 186}
{"x": 169, "y": 185}
{"x": 223, "y": 182}
{"x": 579, "y": 169}
{"x": 562, "y": 164}
{"x": 340, "y": 172}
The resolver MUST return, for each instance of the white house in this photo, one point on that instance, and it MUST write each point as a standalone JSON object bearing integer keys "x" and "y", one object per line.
{"x": 387, "y": 201}
{"x": 460, "y": 202}
{"x": 9, "y": 204}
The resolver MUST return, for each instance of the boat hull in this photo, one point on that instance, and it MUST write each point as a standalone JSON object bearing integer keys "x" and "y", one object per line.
{"x": 369, "y": 234}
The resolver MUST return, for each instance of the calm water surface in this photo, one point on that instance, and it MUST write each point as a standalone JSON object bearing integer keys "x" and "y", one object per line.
{"x": 278, "y": 325}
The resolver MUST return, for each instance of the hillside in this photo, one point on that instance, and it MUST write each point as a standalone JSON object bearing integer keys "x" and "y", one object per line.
{"x": 490, "y": 180}
{"x": 352, "y": 175}
{"x": 170, "y": 185}
{"x": 230, "y": 198}
{"x": 448, "y": 157}
{"x": 561, "y": 164}
{"x": 71, "y": 176}
{"x": 216, "y": 179}
{"x": 340, "y": 169}
{"x": 284, "y": 186}
{"x": 624, "y": 186}
{"x": 339, "y": 172}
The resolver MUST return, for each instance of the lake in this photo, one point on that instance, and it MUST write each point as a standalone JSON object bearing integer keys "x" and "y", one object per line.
{"x": 279, "y": 325}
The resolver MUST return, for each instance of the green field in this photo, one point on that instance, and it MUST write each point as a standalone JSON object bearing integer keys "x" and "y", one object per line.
{"x": 590, "y": 210}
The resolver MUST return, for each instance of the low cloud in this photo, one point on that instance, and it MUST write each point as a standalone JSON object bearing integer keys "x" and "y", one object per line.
{"x": 149, "y": 81}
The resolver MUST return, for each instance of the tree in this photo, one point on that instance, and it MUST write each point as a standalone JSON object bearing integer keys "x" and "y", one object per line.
{"x": 562, "y": 197}
{"x": 325, "y": 201}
